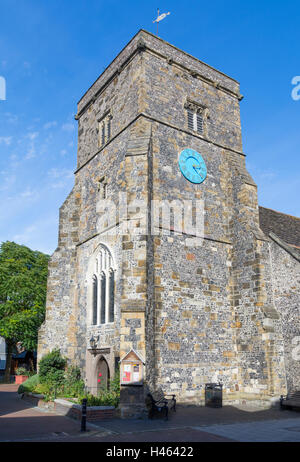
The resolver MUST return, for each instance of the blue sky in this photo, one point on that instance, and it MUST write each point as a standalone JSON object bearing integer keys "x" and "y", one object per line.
{"x": 51, "y": 51}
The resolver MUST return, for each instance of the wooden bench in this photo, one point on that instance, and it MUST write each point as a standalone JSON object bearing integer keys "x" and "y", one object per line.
{"x": 290, "y": 401}
{"x": 159, "y": 403}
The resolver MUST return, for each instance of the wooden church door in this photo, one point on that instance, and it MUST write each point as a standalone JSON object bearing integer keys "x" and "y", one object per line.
{"x": 102, "y": 375}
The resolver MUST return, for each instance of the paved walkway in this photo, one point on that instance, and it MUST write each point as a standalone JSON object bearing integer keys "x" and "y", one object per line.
{"x": 19, "y": 421}
{"x": 287, "y": 430}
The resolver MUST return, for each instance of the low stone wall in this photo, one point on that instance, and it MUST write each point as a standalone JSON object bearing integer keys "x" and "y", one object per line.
{"x": 64, "y": 407}
{"x": 69, "y": 409}
{"x": 38, "y": 400}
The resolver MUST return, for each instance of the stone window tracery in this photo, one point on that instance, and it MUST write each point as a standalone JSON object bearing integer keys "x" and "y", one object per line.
{"x": 103, "y": 288}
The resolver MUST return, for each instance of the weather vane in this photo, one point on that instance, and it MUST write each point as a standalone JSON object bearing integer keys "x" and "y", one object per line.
{"x": 160, "y": 18}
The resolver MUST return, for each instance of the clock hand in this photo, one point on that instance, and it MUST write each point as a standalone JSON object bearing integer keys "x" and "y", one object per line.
{"x": 197, "y": 167}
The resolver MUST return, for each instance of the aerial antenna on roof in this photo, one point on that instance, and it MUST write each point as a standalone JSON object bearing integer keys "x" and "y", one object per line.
{"x": 160, "y": 17}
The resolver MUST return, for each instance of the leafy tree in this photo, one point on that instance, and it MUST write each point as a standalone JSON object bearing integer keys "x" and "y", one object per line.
{"x": 23, "y": 286}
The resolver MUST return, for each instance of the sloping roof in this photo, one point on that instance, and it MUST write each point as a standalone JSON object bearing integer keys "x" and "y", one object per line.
{"x": 135, "y": 353}
{"x": 286, "y": 227}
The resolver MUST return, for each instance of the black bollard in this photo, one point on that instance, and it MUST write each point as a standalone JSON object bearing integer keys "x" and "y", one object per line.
{"x": 83, "y": 416}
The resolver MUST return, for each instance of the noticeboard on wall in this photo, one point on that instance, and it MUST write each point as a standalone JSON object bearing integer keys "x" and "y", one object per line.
{"x": 132, "y": 369}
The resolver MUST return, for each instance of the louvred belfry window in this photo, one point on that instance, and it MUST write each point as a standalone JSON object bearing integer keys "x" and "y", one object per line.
{"x": 199, "y": 123}
{"x": 190, "y": 119}
{"x": 195, "y": 115}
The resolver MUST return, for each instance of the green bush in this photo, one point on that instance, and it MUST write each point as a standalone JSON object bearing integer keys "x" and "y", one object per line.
{"x": 55, "y": 378}
{"x": 114, "y": 384}
{"x": 73, "y": 385}
{"x": 31, "y": 373}
{"x": 51, "y": 367}
{"x": 110, "y": 397}
{"x": 104, "y": 398}
{"x": 29, "y": 385}
{"x": 73, "y": 374}
{"x": 49, "y": 391}
{"x": 40, "y": 388}
{"x": 22, "y": 371}
{"x": 56, "y": 382}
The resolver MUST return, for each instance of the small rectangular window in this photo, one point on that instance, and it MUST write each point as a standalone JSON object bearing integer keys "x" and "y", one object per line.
{"x": 108, "y": 128}
{"x": 103, "y": 134}
{"x": 102, "y": 188}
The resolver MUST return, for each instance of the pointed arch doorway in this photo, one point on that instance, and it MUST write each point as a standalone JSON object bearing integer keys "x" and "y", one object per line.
{"x": 103, "y": 376}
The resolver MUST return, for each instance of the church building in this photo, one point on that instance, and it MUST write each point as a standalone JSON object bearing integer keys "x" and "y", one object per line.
{"x": 166, "y": 266}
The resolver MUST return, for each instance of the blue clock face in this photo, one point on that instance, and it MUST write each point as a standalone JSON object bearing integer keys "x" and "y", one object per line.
{"x": 192, "y": 166}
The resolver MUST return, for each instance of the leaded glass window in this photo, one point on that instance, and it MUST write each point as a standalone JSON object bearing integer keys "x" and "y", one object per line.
{"x": 95, "y": 299}
{"x": 103, "y": 288}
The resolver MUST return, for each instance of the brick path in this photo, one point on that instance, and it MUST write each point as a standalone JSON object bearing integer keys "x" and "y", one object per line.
{"x": 19, "y": 421}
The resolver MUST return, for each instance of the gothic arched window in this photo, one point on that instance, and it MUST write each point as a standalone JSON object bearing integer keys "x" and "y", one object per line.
{"x": 103, "y": 288}
{"x": 111, "y": 310}
{"x": 103, "y": 298}
{"x": 95, "y": 299}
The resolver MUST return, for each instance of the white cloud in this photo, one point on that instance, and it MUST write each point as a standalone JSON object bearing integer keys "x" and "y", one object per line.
{"x": 68, "y": 127}
{"x": 57, "y": 173}
{"x": 50, "y": 125}
{"x": 11, "y": 118}
{"x": 31, "y": 150}
{"x": 33, "y": 135}
{"x": 30, "y": 153}
{"x": 8, "y": 182}
{"x": 6, "y": 140}
{"x": 29, "y": 194}
{"x": 27, "y": 236}
{"x": 61, "y": 177}
{"x": 41, "y": 234}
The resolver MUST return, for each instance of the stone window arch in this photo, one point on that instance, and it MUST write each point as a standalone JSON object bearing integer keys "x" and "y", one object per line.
{"x": 103, "y": 287}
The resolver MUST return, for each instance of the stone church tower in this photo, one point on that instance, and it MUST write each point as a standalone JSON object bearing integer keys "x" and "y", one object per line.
{"x": 222, "y": 309}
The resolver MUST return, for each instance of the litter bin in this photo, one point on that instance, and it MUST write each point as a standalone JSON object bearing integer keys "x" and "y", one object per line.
{"x": 213, "y": 394}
